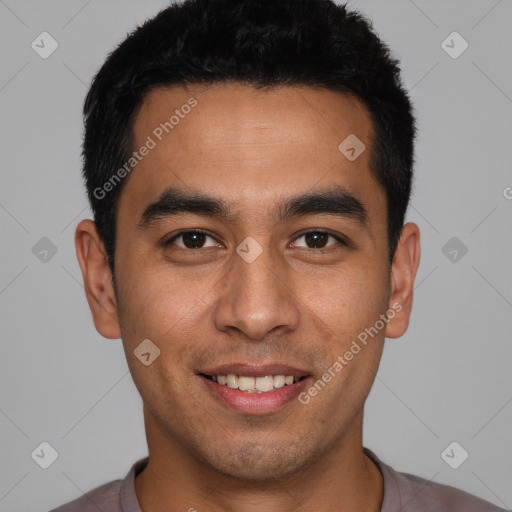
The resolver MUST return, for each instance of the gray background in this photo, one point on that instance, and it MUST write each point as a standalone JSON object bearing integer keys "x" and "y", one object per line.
{"x": 448, "y": 379}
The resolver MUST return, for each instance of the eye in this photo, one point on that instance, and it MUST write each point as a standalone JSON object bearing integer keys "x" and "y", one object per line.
{"x": 193, "y": 239}
{"x": 198, "y": 239}
{"x": 317, "y": 239}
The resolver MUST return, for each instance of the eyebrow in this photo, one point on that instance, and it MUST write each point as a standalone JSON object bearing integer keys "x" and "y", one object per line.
{"x": 335, "y": 200}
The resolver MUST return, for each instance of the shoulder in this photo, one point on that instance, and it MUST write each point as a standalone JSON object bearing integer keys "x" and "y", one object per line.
{"x": 115, "y": 496}
{"x": 104, "y": 497}
{"x": 425, "y": 495}
{"x": 411, "y": 493}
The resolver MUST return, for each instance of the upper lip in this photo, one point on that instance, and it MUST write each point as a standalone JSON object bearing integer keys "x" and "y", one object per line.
{"x": 253, "y": 370}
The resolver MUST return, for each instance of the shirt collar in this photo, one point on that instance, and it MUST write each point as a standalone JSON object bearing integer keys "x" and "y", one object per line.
{"x": 390, "y": 500}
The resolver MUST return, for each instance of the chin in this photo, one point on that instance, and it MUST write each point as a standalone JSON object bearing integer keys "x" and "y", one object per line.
{"x": 259, "y": 462}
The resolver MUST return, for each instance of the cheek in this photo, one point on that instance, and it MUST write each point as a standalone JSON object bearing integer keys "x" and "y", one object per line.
{"x": 153, "y": 298}
{"x": 346, "y": 317}
{"x": 162, "y": 312}
{"x": 345, "y": 301}
{"x": 169, "y": 310}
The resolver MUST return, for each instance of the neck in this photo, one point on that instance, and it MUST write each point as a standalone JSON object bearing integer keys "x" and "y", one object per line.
{"x": 344, "y": 479}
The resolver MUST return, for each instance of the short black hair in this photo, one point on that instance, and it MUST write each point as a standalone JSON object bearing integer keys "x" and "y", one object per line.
{"x": 261, "y": 43}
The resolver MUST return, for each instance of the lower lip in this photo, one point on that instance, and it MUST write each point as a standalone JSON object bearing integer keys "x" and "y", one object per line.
{"x": 255, "y": 403}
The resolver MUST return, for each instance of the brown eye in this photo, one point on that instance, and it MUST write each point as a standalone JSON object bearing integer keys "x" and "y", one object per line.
{"x": 317, "y": 240}
{"x": 192, "y": 240}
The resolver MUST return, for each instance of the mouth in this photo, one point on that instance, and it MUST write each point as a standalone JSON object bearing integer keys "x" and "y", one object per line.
{"x": 254, "y": 390}
{"x": 249, "y": 384}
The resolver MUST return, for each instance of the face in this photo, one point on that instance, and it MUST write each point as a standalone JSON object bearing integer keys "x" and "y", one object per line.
{"x": 249, "y": 245}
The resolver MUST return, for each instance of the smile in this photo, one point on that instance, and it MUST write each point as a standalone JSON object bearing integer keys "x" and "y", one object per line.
{"x": 248, "y": 384}
{"x": 254, "y": 390}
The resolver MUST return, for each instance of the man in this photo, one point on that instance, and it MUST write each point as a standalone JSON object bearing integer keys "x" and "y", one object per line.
{"x": 249, "y": 165}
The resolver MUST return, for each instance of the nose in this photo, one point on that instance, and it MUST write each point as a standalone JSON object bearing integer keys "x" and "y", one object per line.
{"x": 257, "y": 298}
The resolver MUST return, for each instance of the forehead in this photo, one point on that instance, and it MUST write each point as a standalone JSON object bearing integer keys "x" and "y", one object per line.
{"x": 234, "y": 114}
{"x": 248, "y": 145}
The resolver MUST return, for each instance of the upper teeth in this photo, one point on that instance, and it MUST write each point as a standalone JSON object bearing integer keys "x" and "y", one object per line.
{"x": 254, "y": 384}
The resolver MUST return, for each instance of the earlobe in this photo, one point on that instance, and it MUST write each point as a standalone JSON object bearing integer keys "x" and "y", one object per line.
{"x": 403, "y": 273}
{"x": 97, "y": 278}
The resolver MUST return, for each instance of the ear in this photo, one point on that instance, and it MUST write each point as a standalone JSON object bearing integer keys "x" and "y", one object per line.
{"x": 403, "y": 272}
{"x": 97, "y": 277}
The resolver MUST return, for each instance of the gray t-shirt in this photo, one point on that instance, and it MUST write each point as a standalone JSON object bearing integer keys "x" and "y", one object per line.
{"x": 402, "y": 493}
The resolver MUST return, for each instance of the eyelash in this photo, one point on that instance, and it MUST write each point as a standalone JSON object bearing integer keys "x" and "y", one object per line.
{"x": 200, "y": 231}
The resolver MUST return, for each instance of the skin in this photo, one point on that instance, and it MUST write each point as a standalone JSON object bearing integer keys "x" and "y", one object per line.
{"x": 294, "y": 304}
